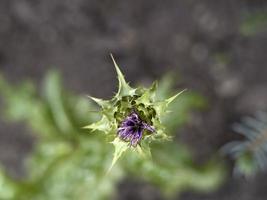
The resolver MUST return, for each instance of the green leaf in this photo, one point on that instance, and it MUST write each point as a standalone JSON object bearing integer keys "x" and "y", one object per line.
{"x": 54, "y": 95}
{"x": 161, "y": 106}
{"x": 181, "y": 109}
{"x": 245, "y": 165}
{"x": 7, "y": 187}
{"x": 148, "y": 95}
{"x": 100, "y": 102}
{"x": 171, "y": 99}
{"x": 120, "y": 148}
{"x": 124, "y": 88}
{"x": 102, "y": 125}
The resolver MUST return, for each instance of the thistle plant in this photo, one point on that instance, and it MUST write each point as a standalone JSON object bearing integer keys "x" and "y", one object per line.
{"x": 250, "y": 154}
{"x": 132, "y": 118}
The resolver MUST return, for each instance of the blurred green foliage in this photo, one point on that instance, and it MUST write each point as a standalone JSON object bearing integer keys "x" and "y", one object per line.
{"x": 69, "y": 163}
{"x": 249, "y": 154}
{"x": 253, "y": 23}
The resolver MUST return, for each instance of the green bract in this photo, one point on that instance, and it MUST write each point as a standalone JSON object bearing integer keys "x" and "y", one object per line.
{"x": 140, "y": 100}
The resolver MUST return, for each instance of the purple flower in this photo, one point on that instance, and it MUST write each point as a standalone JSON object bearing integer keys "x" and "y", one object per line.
{"x": 132, "y": 128}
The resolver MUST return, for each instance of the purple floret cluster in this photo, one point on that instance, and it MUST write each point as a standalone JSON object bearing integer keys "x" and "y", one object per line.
{"x": 132, "y": 128}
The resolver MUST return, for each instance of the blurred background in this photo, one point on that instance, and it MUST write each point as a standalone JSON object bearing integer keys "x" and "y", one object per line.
{"x": 215, "y": 47}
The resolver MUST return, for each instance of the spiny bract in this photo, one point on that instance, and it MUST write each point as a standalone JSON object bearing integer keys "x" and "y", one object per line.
{"x": 132, "y": 118}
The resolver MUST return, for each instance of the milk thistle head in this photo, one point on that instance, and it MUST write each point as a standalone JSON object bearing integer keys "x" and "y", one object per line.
{"x": 132, "y": 118}
{"x": 132, "y": 127}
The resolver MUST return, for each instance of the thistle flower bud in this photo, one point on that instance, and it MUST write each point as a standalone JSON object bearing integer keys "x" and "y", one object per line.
{"x": 132, "y": 128}
{"x": 132, "y": 118}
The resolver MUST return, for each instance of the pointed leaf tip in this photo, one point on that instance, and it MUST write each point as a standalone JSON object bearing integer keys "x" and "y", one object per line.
{"x": 120, "y": 148}
{"x": 100, "y": 102}
{"x": 169, "y": 100}
{"x": 101, "y": 125}
{"x": 119, "y": 73}
{"x": 153, "y": 89}
{"x": 124, "y": 88}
